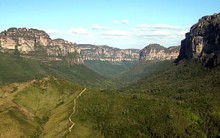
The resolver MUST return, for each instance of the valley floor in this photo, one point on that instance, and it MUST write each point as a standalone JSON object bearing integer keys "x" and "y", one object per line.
{"x": 178, "y": 101}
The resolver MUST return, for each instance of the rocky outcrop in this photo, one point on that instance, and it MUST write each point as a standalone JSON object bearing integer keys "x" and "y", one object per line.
{"x": 33, "y": 42}
{"x": 203, "y": 41}
{"x": 23, "y": 39}
{"x": 106, "y": 53}
{"x": 37, "y": 44}
{"x": 158, "y": 52}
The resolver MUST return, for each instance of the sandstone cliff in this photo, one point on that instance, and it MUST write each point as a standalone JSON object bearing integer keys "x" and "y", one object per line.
{"x": 203, "y": 41}
{"x": 106, "y": 53}
{"x": 33, "y": 42}
{"x": 158, "y": 52}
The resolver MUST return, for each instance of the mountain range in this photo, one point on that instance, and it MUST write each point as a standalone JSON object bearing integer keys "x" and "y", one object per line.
{"x": 46, "y": 91}
{"x": 33, "y": 43}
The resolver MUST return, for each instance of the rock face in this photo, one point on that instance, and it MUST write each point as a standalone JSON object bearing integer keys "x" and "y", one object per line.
{"x": 33, "y": 42}
{"x": 37, "y": 44}
{"x": 23, "y": 39}
{"x": 203, "y": 41}
{"x": 106, "y": 53}
{"x": 158, "y": 52}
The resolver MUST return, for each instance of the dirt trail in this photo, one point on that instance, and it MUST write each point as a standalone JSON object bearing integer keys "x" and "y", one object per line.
{"x": 74, "y": 109}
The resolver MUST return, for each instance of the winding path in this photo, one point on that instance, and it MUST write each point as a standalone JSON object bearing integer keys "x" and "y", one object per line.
{"x": 74, "y": 110}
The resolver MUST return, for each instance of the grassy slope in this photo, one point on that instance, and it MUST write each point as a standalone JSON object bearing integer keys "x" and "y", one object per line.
{"x": 14, "y": 69}
{"x": 77, "y": 73}
{"x": 27, "y": 109}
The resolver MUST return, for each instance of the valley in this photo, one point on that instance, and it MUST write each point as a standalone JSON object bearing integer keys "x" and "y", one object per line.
{"x": 45, "y": 105}
{"x": 54, "y": 88}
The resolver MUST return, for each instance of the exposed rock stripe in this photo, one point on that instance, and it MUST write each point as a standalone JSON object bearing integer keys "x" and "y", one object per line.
{"x": 74, "y": 110}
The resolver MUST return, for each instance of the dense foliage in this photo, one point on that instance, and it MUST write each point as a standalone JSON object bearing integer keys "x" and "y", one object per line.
{"x": 168, "y": 101}
{"x": 182, "y": 101}
{"x": 110, "y": 69}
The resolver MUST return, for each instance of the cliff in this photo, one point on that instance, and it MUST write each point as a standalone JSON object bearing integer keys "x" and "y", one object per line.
{"x": 203, "y": 42}
{"x": 106, "y": 53}
{"x": 37, "y": 43}
{"x": 158, "y": 52}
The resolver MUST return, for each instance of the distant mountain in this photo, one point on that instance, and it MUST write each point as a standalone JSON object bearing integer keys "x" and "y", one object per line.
{"x": 158, "y": 52}
{"x": 203, "y": 41}
{"x": 37, "y": 44}
{"x": 33, "y": 43}
{"x": 106, "y": 53}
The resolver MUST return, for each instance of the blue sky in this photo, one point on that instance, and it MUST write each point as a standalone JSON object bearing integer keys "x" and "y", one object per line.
{"x": 117, "y": 23}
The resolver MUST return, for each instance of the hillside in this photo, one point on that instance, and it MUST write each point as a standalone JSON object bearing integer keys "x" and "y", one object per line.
{"x": 110, "y": 69}
{"x": 26, "y": 108}
{"x": 180, "y": 102}
{"x": 153, "y": 107}
{"x": 18, "y": 69}
{"x": 126, "y": 73}
{"x": 142, "y": 69}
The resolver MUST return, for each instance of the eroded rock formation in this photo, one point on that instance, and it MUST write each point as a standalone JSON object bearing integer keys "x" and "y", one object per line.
{"x": 33, "y": 42}
{"x": 106, "y": 53}
{"x": 203, "y": 41}
{"x": 158, "y": 52}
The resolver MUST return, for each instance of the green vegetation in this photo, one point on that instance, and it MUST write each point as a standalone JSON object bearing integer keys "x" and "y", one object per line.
{"x": 180, "y": 102}
{"x": 110, "y": 69}
{"x": 125, "y": 73}
{"x": 77, "y": 73}
{"x": 18, "y": 69}
{"x": 166, "y": 100}
{"x": 27, "y": 111}
{"x": 143, "y": 69}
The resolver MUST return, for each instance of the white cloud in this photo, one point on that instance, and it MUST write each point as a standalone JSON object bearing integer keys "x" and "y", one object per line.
{"x": 160, "y": 33}
{"x": 141, "y": 35}
{"x": 115, "y": 33}
{"x": 125, "y": 21}
{"x": 79, "y": 31}
{"x": 52, "y": 31}
{"x": 158, "y": 30}
{"x": 157, "y": 26}
{"x": 182, "y": 33}
{"x": 155, "y": 33}
{"x": 98, "y": 27}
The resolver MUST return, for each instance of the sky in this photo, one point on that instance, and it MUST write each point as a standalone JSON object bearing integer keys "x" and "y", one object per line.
{"x": 117, "y": 23}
